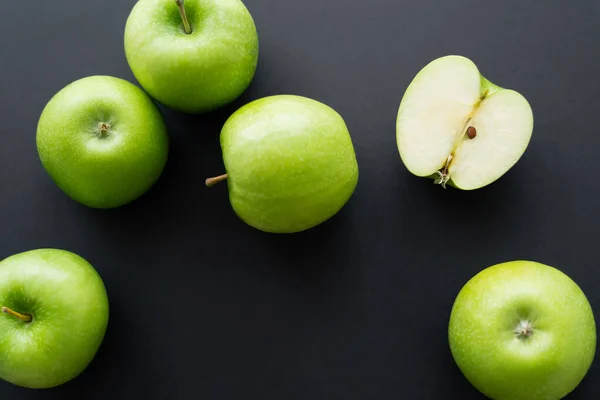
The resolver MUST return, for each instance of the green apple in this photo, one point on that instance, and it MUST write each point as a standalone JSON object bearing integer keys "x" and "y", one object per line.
{"x": 103, "y": 141}
{"x": 55, "y": 314}
{"x": 457, "y": 127}
{"x": 522, "y": 330}
{"x": 193, "y": 57}
{"x": 290, "y": 163}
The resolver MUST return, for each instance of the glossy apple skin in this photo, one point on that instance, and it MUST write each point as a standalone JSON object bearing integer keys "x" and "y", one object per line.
{"x": 68, "y": 302}
{"x": 545, "y": 366}
{"x": 290, "y": 161}
{"x": 108, "y": 171}
{"x": 196, "y": 72}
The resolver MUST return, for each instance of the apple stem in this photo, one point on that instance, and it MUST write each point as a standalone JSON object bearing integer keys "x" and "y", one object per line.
{"x": 186, "y": 23}
{"x": 22, "y": 317}
{"x": 213, "y": 181}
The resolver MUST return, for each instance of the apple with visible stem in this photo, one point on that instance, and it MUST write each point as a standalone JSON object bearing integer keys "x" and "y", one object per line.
{"x": 458, "y": 128}
{"x": 290, "y": 163}
{"x": 103, "y": 141}
{"x": 54, "y": 317}
{"x": 195, "y": 56}
{"x": 522, "y": 330}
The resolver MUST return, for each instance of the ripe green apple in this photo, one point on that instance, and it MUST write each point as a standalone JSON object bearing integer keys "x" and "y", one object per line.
{"x": 522, "y": 330}
{"x": 290, "y": 163}
{"x": 460, "y": 129}
{"x": 55, "y": 314}
{"x": 193, "y": 57}
{"x": 103, "y": 141}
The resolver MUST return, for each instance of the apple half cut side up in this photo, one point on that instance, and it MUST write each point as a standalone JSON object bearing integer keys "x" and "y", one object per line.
{"x": 457, "y": 127}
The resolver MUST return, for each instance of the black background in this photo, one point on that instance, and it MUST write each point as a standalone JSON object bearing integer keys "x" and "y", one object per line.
{"x": 203, "y": 306}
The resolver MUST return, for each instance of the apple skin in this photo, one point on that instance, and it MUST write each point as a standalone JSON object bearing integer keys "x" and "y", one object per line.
{"x": 290, "y": 163}
{"x": 547, "y": 365}
{"x": 68, "y": 302}
{"x": 197, "y": 72}
{"x": 102, "y": 171}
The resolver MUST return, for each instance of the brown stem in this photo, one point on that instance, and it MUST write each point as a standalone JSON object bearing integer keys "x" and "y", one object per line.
{"x": 22, "y": 317}
{"x": 186, "y": 23}
{"x": 213, "y": 181}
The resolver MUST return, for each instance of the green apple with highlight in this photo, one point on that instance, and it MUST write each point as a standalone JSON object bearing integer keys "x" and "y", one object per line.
{"x": 103, "y": 141}
{"x": 458, "y": 128}
{"x": 522, "y": 330}
{"x": 54, "y": 317}
{"x": 195, "y": 56}
{"x": 290, "y": 163}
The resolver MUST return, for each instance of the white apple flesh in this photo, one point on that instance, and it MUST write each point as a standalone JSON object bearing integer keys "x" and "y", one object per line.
{"x": 445, "y": 99}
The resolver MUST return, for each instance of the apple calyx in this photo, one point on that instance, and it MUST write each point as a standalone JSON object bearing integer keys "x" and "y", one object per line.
{"x": 186, "y": 23}
{"x": 22, "y": 317}
{"x": 217, "y": 179}
{"x": 469, "y": 132}
{"x": 102, "y": 130}
{"x": 442, "y": 175}
{"x": 524, "y": 329}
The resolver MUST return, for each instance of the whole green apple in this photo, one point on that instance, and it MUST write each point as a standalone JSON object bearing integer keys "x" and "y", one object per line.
{"x": 290, "y": 163}
{"x": 103, "y": 141}
{"x": 522, "y": 330}
{"x": 193, "y": 57}
{"x": 55, "y": 314}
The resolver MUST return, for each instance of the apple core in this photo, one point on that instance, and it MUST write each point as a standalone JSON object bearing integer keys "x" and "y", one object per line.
{"x": 468, "y": 132}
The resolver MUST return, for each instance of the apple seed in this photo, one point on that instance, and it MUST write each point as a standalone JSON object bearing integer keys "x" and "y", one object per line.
{"x": 471, "y": 132}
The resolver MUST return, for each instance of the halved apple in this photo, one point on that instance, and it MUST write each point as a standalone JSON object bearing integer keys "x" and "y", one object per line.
{"x": 459, "y": 128}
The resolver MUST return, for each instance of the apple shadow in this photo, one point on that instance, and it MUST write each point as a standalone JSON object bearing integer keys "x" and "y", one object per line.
{"x": 128, "y": 376}
{"x": 585, "y": 390}
{"x": 455, "y": 219}
{"x": 319, "y": 269}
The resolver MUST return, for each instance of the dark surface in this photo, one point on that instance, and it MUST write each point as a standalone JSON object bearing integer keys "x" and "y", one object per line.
{"x": 203, "y": 306}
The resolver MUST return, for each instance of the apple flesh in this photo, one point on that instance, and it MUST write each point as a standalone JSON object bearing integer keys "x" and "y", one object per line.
{"x": 522, "y": 330}
{"x": 290, "y": 163}
{"x": 457, "y": 127}
{"x": 102, "y": 141}
{"x": 195, "y": 56}
{"x": 54, "y": 317}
